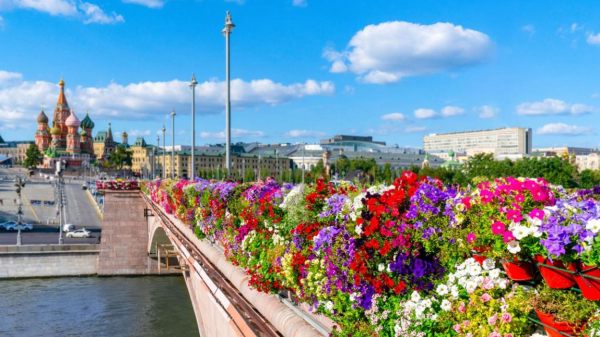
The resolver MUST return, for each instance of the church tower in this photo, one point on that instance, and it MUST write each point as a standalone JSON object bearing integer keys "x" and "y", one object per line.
{"x": 61, "y": 113}
{"x": 87, "y": 125}
{"x": 42, "y": 135}
{"x": 109, "y": 143}
{"x": 73, "y": 138}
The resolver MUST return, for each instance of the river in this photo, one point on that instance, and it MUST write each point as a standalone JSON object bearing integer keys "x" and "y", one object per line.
{"x": 147, "y": 306}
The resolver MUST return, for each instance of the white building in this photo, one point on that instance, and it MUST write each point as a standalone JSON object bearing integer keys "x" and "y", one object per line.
{"x": 501, "y": 141}
{"x": 587, "y": 161}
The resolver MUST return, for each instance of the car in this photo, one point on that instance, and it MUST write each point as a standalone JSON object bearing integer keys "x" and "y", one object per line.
{"x": 79, "y": 233}
{"x": 25, "y": 226}
{"x": 7, "y": 224}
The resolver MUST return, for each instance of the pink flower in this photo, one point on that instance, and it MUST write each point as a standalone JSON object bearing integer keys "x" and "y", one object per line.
{"x": 539, "y": 195}
{"x": 531, "y": 185}
{"x": 462, "y": 308}
{"x": 486, "y": 196}
{"x": 467, "y": 202}
{"x": 492, "y": 320}
{"x": 457, "y": 328}
{"x": 514, "y": 215}
{"x": 470, "y": 237}
{"x": 498, "y": 228}
{"x": 469, "y": 335}
{"x": 520, "y": 198}
{"x": 508, "y": 335}
{"x": 508, "y": 236}
{"x": 537, "y": 213}
{"x": 495, "y": 334}
{"x": 487, "y": 284}
{"x": 466, "y": 323}
{"x": 486, "y": 297}
{"x": 506, "y": 317}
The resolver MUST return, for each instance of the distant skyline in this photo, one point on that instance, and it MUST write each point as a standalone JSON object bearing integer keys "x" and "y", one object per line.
{"x": 306, "y": 69}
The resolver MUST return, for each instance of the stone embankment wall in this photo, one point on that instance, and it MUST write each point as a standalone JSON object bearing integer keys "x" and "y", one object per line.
{"x": 48, "y": 260}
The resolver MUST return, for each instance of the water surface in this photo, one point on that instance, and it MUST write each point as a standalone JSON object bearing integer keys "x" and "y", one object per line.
{"x": 93, "y": 306}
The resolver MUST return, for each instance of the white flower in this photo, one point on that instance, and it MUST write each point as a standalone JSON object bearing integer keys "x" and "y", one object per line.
{"x": 446, "y": 306}
{"x": 329, "y": 305}
{"x": 489, "y": 264}
{"x": 389, "y": 270}
{"x": 358, "y": 230}
{"x": 520, "y": 232}
{"x": 474, "y": 269}
{"x": 381, "y": 267}
{"x": 442, "y": 289}
{"x": 593, "y": 225}
{"x": 460, "y": 207}
{"x": 494, "y": 273}
{"x": 535, "y": 231}
{"x": 353, "y": 297}
{"x": 415, "y": 296}
{"x": 533, "y": 221}
{"x": 471, "y": 286}
{"x": 513, "y": 247}
{"x": 454, "y": 292}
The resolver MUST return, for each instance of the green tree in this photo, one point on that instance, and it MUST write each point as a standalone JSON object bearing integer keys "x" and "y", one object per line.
{"x": 121, "y": 157}
{"x": 33, "y": 157}
{"x": 249, "y": 175}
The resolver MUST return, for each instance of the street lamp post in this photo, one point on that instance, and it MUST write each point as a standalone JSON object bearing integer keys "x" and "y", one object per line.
{"x": 193, "y": 84}
{"x": 155, "y": 159}
{"x": 19, "y": 184}
{"x": 227, "y": 32}
{"x": 173, "y": 146}
{"x": 163, "y": 152}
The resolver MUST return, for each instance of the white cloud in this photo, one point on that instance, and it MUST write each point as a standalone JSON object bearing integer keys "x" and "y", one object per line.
{"x": 138, "y": 133}
{"x": 394, "y": 117}
{"x": 147, "y": 3}
{"x": 7, "y": 78}
{"x": 593, "y": 39}
{"x": 1, "y": 23}
{"x": 551, "y": 106}
{"x": 90, "y": 13}
{"x": 529, "y": 29}
{"x": 575, "y": 27}
{"x": 486, "y": 111}
{"x": 386, "y": 52}
{"x": 236, "y": 133}
{"x": 452, "y": 111}
{"x": 425, "y": 113}
{"x": 304, "y": 134}
{"x": 564, "y": 130}
{"x": 299, "y": 3}
{"x": 95, "y": 14}
{"x": 411, "y": 129}
{"x": 147, "y": 99}
{"x": 349, "y": 89}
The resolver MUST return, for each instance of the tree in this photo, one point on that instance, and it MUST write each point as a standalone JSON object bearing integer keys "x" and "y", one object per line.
{"x": 121, "y": 157}
{"x": 249, "y": 175}
{"x": 33, "y": 157}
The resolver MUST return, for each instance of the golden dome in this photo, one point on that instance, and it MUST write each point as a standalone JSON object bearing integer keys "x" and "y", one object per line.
{"x": 55, "y": 130}
{"x": 62, "y": 82}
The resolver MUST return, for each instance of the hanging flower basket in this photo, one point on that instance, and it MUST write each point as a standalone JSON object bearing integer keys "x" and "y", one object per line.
{"x": 553, "y": 275}
{"x": 477, "y": 251}
{"x": 590, "y": 288}
{"x": 518, "y": 270}
{"x": 561, "y": 329}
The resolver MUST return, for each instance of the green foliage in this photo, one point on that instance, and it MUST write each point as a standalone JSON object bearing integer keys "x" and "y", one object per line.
{"x": 121, "y": 157}
{"x": 33, "y": 157}
{"x": 565, "y": 305}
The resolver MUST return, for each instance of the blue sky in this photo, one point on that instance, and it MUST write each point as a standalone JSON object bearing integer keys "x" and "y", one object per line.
{"x": 305, "y": 70}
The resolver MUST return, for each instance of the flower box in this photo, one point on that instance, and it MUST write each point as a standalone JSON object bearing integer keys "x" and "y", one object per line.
{"x": 590, "y": 288}
{"x": 518, "y": 270}
{"x": 555, "y": 278}
{"x": 561, "y": 329}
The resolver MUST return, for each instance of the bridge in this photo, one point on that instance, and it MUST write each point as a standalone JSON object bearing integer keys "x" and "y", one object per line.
{"x": 139, "y": 238}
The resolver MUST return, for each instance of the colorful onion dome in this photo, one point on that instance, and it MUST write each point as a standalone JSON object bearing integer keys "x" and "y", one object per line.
{"x": 42, "y": 118}
{"x": 124, "y": 134}
{"x": 87, "y": 122}
{"x": 62, "y": 82}
{"x": 55, "y": 130}
{"x": 72, "y": 120}
{"x": 83, "y": 133}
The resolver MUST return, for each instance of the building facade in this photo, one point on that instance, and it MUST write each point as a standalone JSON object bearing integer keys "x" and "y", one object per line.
{"x": 504, "y": 141}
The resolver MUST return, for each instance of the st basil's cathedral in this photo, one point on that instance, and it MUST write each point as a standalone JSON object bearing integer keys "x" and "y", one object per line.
{"x": 64, "y": 142}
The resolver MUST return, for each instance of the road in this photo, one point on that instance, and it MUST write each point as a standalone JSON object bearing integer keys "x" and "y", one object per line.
{"x": 38, "y": 196}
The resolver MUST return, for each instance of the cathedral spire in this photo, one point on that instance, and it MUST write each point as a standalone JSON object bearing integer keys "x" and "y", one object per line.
{"x": 62, "y": 100}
